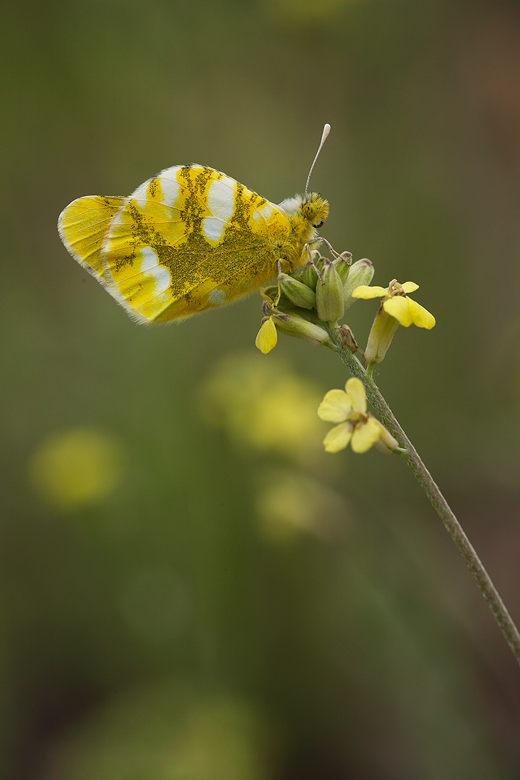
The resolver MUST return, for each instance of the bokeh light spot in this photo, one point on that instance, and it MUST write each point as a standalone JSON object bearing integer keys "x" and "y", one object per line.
{"x": 263, "y": 405}
{"x": 76, "y": 468}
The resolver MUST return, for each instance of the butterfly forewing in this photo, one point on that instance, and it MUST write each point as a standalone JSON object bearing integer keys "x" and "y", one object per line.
{"x": 189, "y": 239}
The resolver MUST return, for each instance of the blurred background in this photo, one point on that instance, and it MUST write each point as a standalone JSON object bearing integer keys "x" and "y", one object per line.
{"x": 190, "y": 588}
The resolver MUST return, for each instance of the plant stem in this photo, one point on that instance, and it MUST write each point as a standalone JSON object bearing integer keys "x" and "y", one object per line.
{"x": 436, "y": 498}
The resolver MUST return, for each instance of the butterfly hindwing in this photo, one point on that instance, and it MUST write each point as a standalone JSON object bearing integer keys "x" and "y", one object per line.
{"x": 84, "y": 225}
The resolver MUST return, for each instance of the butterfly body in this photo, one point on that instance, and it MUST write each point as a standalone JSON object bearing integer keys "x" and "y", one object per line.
{"x": 187, "y": 240}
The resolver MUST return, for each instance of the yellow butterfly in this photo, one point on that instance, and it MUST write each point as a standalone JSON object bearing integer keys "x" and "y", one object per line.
{"x": 187, "y": 240}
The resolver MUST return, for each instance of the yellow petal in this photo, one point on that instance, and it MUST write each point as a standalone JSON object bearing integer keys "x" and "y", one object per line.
{"x": 267, "y": 336}
{"x": 337, "y": 438}
{"x": 410, "y": 287}
{"x": 398, "y": 307}
{"x": 420, "y": 316}
{"x": 366, "y": 292}
{"x": 365, "y": 436}
{"x": 335, "y": 406}
{"x": 357, "y": 395}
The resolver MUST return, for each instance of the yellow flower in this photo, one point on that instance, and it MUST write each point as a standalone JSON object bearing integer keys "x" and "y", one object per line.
{"x": 397, "y": 304}
{"x": 349, "y": 409}
{"x": 396, "y": 309}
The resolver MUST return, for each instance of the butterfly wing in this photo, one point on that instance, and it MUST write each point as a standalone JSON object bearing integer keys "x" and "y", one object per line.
{"x": 189, "y": 239}
{"x": 83, "y": 226}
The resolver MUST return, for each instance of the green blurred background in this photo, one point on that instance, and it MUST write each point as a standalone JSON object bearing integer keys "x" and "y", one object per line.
{"x": 190, "y": 588}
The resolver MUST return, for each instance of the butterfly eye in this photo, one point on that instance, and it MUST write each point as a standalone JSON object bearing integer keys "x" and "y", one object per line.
{"x": 314, "y": 213}
{"x": 321, "y": 213}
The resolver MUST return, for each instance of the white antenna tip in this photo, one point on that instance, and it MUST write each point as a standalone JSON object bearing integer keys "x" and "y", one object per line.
{"x": 326, "y": 131}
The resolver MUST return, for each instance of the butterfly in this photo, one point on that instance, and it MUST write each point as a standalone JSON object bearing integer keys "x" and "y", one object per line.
{"x": 189, "y": 239}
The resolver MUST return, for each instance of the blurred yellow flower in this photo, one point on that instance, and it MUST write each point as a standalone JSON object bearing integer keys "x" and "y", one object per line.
{"x": 349, "y": 409}
{"x": 75, "y": 468}
{"x": 290, "y": 503}
{"x": 169, "y": 729}
{"x": 263, "y": 405}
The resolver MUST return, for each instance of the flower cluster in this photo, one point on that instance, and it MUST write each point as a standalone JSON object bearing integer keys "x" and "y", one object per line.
{"x": 309, "y": 306}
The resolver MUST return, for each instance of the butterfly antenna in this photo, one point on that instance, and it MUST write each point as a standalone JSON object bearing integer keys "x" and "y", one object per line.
{"x": 326, "y": 131}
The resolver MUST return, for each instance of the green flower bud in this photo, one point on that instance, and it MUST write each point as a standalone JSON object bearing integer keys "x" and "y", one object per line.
{"x": 342, "y": 265}
{"x": 309, "y": 277}
{"x": 297, "y": 292}
{"x": 293, "y": 325}
{"x": 361, "y": 272}
{"x": 309, "y": 274}
{"x": 380, "y": 336}
{"x": 329, "y": 295}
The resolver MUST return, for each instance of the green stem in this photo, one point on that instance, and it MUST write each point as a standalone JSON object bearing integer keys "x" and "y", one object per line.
{"x": 436, "y": 498}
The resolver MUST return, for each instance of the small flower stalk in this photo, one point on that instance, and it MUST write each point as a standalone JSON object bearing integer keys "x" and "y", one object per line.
{"x": 356, "y": 426}
{"x": 294, "y": 325}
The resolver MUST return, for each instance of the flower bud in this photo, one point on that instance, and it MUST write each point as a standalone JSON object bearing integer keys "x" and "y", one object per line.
{"x": 309, "y": 275}
{"x": 293, "y": 325}
{"x": 361, "y": 272}
{"x": 342, "y": 265}
{"x": 329, "y": 295}
{"x": 380, "y": 336}
{"x": 297, "y": 292}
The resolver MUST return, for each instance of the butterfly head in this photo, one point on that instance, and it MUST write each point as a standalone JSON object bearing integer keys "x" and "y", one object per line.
{"x": 311, "y": 207}
{"x": 315, "y": 209}
{"x": 306, "y": 214}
